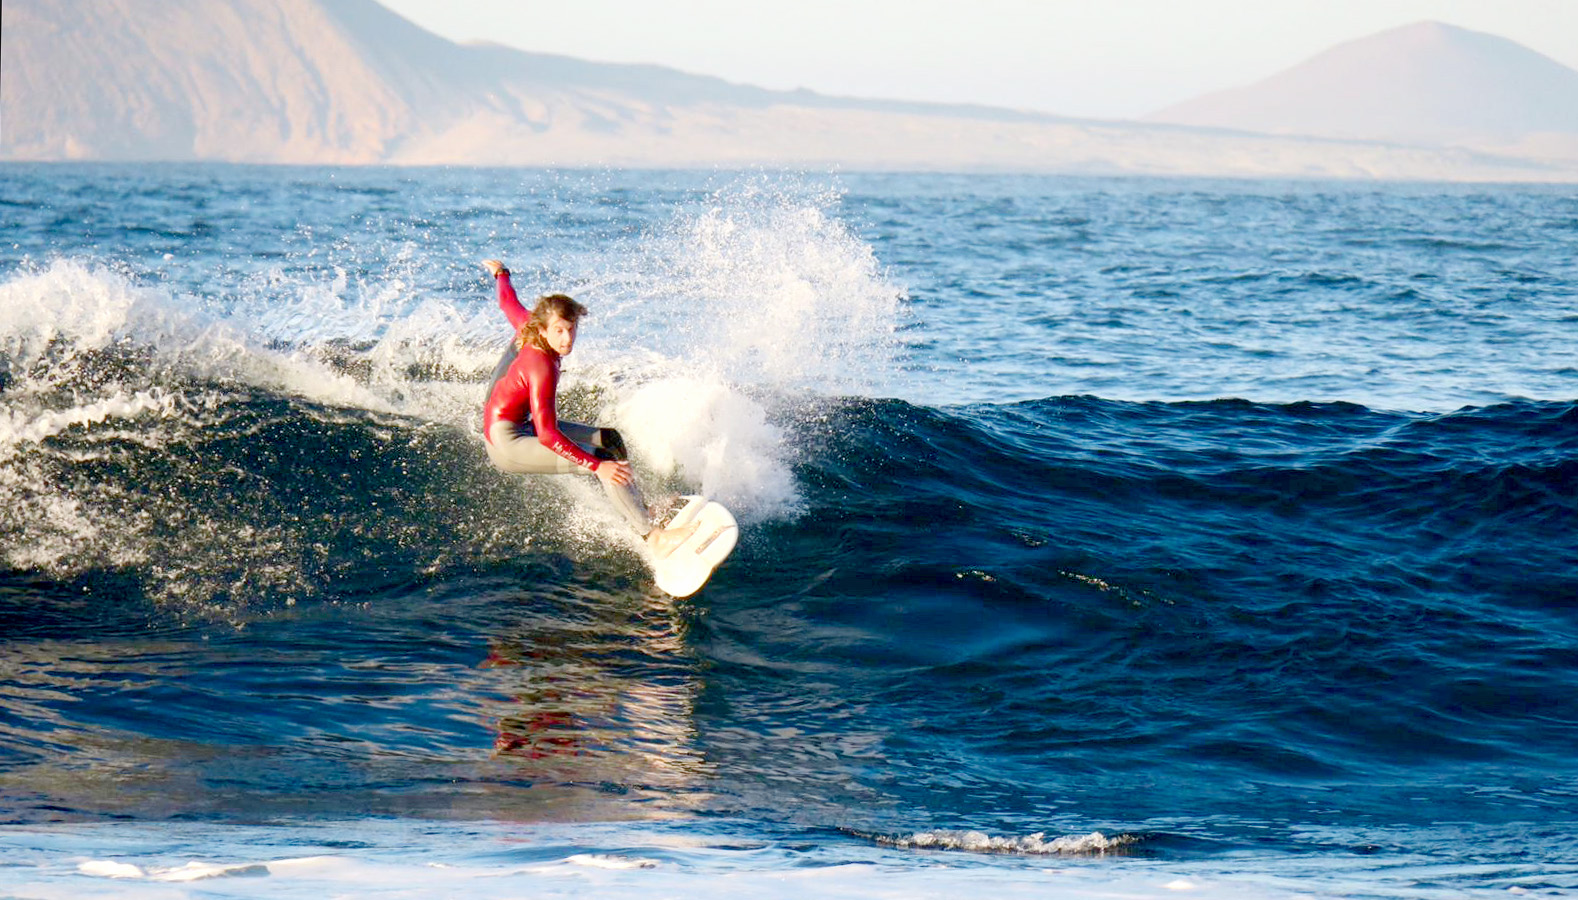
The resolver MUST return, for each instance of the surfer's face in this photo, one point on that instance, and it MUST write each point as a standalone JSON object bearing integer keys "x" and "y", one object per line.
{"x": 560, "y": 334}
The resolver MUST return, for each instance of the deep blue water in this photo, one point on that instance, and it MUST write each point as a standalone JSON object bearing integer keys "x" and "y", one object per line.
{"x": 1237, "y": 522}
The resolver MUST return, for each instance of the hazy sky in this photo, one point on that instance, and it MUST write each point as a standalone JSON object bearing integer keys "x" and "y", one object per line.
{"x": 1104, "y": 58}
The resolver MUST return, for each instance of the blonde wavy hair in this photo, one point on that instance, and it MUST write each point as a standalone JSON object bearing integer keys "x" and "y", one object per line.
{"x": 552, "y": 305}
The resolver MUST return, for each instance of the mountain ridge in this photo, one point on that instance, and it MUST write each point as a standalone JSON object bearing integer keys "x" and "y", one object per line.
{"x": 350, "y": 82}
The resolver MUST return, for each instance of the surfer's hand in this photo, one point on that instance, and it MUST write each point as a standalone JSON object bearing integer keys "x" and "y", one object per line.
{"x": 494, "y": 267}
{"x": 615, "y": 471}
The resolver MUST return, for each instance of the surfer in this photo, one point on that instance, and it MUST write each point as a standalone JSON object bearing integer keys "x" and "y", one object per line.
{"x": 520, "y": 423}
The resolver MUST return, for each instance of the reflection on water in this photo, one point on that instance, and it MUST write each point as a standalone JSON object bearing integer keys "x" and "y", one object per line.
{"x": 563, "y": 705}
{"x": 597, "y": 701}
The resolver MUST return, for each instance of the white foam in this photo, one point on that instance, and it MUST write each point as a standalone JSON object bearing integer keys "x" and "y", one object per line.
{"x": 703, "y": 859}
{"x": 48, "y": 526}
{"x": 65, "y": 302}
{"x": 104, "y": 868}
{"x": 51, "y": 319}
{"x": 202, "y": 871}
{"x": 715, "y": 438}
{"x": 610, "y": 861}
{"x": 22, "y": 426}
{"x": 617, "y": 875}
{"x": 194, "y": 870}
{"x": 1032, "y": 844}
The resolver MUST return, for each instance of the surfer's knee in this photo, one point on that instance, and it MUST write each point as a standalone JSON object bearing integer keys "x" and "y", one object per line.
{"x": 610, "y": 445}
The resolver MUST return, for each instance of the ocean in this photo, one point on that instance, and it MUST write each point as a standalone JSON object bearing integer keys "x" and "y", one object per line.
{"x": 1101, "y": 537}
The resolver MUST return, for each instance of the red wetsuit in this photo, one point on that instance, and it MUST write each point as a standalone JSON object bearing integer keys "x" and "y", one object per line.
{"x": 526, "y": 390}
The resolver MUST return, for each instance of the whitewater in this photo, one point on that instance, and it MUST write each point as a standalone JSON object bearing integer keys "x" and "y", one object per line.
{"x": 1100, "y": 537}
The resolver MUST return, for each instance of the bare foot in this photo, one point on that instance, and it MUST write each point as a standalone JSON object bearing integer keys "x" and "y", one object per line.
{"x": 664, "y": 541}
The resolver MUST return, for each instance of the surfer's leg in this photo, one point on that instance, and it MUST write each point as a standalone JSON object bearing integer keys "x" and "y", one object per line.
{"x": 609, "y": 444}
{"x": 511, "y": 451}
{"x": 521, "y": 453}
{"x": 625, "y": 497}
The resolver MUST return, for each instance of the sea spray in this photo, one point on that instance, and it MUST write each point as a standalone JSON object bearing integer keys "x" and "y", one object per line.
{"x": 418, "y": 352}
{"x": 146, "y": 431}
{"x": 704, "y": 433}
{"x": 79, "y": 326}
{"x": 764, "y": 284}
{"x": 758, "y": 291}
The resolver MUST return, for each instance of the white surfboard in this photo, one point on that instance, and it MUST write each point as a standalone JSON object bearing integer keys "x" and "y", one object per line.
{"x": 684, "y": 571}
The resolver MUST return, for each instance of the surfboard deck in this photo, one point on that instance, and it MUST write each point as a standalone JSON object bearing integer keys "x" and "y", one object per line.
{"x": 684, "y": 571}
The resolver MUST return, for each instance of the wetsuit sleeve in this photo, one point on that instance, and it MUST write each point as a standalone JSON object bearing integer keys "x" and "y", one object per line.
{"x": 511, "y": 304}
{"x": 545, "y": 418}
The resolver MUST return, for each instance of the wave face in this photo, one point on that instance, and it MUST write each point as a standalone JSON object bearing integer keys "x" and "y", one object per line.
{"x": 254, "y": 566}
{"x": 1313, "y": 596}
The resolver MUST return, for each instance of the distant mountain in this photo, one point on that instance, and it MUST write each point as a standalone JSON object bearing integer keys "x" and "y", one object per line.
{"x": 277, "y": 80}
{"x": 342, "y": 81}
{"x": 349, "y": 82}
{"x": 1426, "y": 83}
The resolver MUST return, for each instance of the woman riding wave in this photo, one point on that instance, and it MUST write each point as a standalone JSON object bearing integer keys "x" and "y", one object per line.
{"x": 520, "y": 423}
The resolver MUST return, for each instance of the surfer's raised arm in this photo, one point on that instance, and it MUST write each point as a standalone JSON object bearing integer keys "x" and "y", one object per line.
{"x": 508, "y": 301}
